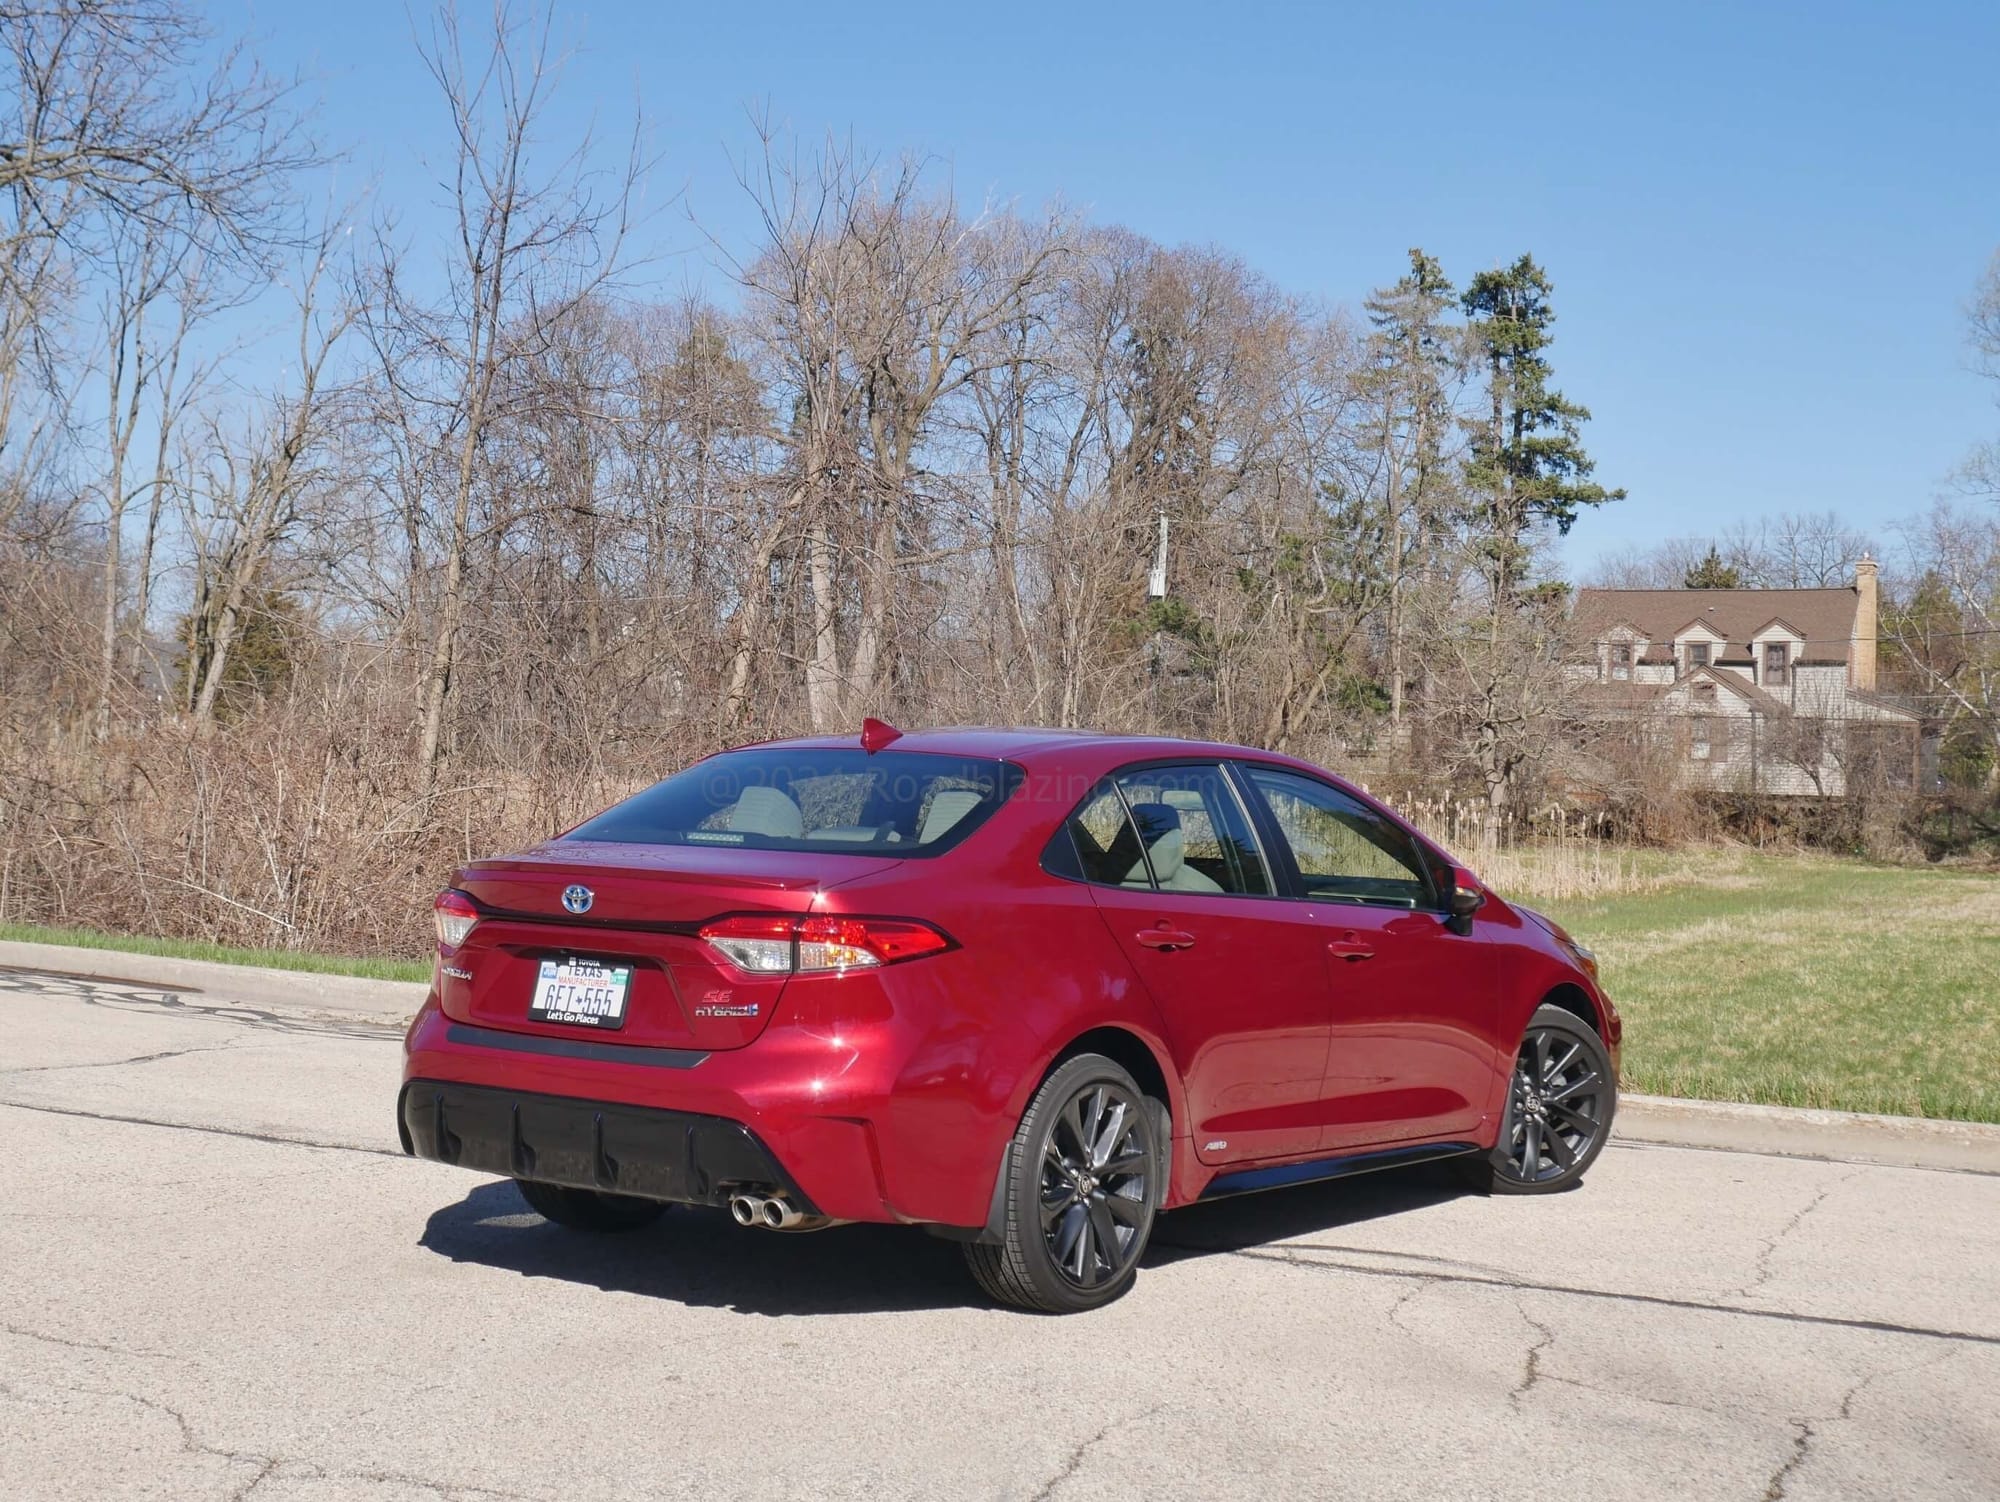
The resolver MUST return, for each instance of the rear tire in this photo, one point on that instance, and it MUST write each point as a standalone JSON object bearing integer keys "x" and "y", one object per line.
{"x": 1560, "y": 1101}
{"x": 1081, "y": 1183}
{"x": 589, "y": 1209}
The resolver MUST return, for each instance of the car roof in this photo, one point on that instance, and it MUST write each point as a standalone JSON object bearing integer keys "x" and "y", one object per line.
{"x": 1042, "y": 746}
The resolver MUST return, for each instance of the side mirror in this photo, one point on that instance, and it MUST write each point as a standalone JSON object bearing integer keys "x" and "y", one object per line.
{"x": 1467, "y": 897}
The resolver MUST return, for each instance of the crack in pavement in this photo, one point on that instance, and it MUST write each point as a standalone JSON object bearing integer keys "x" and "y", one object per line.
{"x": 1802, "y": 1440}
{"x": 1078, "y": 1455}
{"x": 212, "y": 1131}
{"x": 1635, "y": 1397}
{"x": 85, "y": 1345}
{"x": 1531, "y": 1365}
{"x": 1657, "y": 1300}
{"x": 1763, "y": 1271}
{"x": 144, "y": 1058}
{"x": 279, "y": 1465}
{"x": 1406, "y": 1297}
{"x": 1806, "y": 1428}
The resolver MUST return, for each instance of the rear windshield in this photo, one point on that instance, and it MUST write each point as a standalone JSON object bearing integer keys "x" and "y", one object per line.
{"x": 885, "y": 803}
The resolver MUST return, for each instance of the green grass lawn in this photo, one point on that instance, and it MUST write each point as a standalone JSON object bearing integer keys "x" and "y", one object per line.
{"x": 1800, "y": 981}
{"x": 195, "y": 949}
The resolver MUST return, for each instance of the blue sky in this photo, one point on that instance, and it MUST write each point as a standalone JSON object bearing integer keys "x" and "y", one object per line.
{"x": 1763, "y": 222}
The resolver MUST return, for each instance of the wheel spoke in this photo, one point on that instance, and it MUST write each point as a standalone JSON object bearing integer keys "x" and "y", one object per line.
{"x": 1130, "y": 1161}
{"x": 1572, "y": 1087}
{"x": 1531, "y": 1150}
{"x": 1560, "y": 1150}
{"x": 1541, "y": 1057}
{"x": 1085, "y": 1270}
{"x": 1078, "y": 1128}
{"x": 1567, "y": 1060}
{"x": 1068, "y": 1233}
{"x": 1053, "y": 1161}
{"x": 1104, "y": 1231}
{"x": 1585, "y": 1124}
{"x": 1125, "y": 1209}
{"x": 1108, "y": 1138}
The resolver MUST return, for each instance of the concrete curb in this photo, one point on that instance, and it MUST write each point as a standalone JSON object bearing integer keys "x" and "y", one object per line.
{"x": 1836, "y": 1136}
{"x": 386, "y": 1001}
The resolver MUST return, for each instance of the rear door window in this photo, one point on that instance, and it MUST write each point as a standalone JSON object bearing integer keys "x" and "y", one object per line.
{"x": 907, "y": 803}
{"x": 1174, "y": 829}
{"x": 1196, "y": 834}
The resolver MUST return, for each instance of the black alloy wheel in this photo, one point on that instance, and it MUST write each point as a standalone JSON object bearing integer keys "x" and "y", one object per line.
{"x": 1560, "y": 1103}
{"x": 1083, "y": 1184}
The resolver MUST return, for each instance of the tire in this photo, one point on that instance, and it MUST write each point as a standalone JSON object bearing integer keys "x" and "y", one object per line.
{"x": 589, "y": 1209}
{"x": 1561, "y": 1099}
{"x": 1083, "y": 1179}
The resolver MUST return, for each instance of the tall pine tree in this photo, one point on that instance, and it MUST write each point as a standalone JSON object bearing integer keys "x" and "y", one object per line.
{"x": 1415, "y": 364}
{"x": 1527, "y": 468}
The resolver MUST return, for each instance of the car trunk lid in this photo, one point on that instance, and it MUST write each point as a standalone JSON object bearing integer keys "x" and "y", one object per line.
{"x": 646, "y": 904}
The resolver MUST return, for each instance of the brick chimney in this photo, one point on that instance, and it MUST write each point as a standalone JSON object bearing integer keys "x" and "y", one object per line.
{"x": 1867, "y": 610}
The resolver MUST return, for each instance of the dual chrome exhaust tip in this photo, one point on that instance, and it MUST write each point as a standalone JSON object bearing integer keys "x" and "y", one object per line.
{"x": 775, "y": 1213}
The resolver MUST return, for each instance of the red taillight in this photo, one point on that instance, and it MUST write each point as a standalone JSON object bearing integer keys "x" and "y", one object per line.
{"x": 777, "y": 944}
{"x": 753, "y": 943}
{"x": 453, "y": 914}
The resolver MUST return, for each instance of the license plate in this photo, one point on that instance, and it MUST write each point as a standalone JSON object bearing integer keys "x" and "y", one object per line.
{"x": 583, "y": 993}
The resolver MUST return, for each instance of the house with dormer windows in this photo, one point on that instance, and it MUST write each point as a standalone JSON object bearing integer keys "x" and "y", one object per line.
{"x": 1768, "y": 691}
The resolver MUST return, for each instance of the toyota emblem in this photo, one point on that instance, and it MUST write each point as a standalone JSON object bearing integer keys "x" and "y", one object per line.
{"x": 578, "y": 898}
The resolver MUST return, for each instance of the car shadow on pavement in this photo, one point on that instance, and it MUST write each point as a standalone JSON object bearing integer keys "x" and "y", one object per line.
{"x": 1244, "y": 1222}
{"x": 703, "y": 1258}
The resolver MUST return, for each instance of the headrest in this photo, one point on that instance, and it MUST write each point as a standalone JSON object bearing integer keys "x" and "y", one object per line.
{"x": 767, "y": 811}
{"x": 948, "y": 806}
{"x": 1160, "y": 828}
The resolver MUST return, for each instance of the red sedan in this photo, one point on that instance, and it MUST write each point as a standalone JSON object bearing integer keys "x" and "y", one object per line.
{"x": 1026, "y": 988}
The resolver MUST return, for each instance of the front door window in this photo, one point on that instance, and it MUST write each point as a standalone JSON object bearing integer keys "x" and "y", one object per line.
{"x": 1343, "y": 850}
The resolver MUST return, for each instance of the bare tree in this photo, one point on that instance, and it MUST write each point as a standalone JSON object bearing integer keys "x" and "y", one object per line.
{"x": 878, "y": 302}
{"x": 534, "y": 239}
{"x": 126, "y": 115}
{"x": 256, "y": 487}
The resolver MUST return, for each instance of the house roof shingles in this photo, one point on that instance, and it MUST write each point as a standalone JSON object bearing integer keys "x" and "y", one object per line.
{"x": 1824, "y": 617}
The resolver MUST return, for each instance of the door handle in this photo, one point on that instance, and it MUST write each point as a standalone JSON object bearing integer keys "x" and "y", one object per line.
{"x": 1164, "y": 938}
{"x": 1350, "y": 946}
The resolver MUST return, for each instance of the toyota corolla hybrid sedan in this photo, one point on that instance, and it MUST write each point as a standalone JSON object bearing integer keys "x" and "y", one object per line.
{"x": 1025, "y": 988}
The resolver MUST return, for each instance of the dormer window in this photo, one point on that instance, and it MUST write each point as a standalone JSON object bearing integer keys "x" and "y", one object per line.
{"x": 1697, "y": 655}
{"x": 1621, "y": 661}
{"x": 1776, "y": 663}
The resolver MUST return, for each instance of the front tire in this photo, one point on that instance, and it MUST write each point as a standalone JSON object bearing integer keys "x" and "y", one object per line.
{"x": 1083, "y": 1178}
{"x": 589, "y": 1209}
{"x": 1560, "y": 1102}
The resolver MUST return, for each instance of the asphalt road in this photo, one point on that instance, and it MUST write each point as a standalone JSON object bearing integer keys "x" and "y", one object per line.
{"x": 219, "y": 1278}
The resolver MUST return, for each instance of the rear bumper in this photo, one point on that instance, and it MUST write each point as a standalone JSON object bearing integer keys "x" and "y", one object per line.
{"x": 828, "y": 1111}
{"x": 677, "y": 1156}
